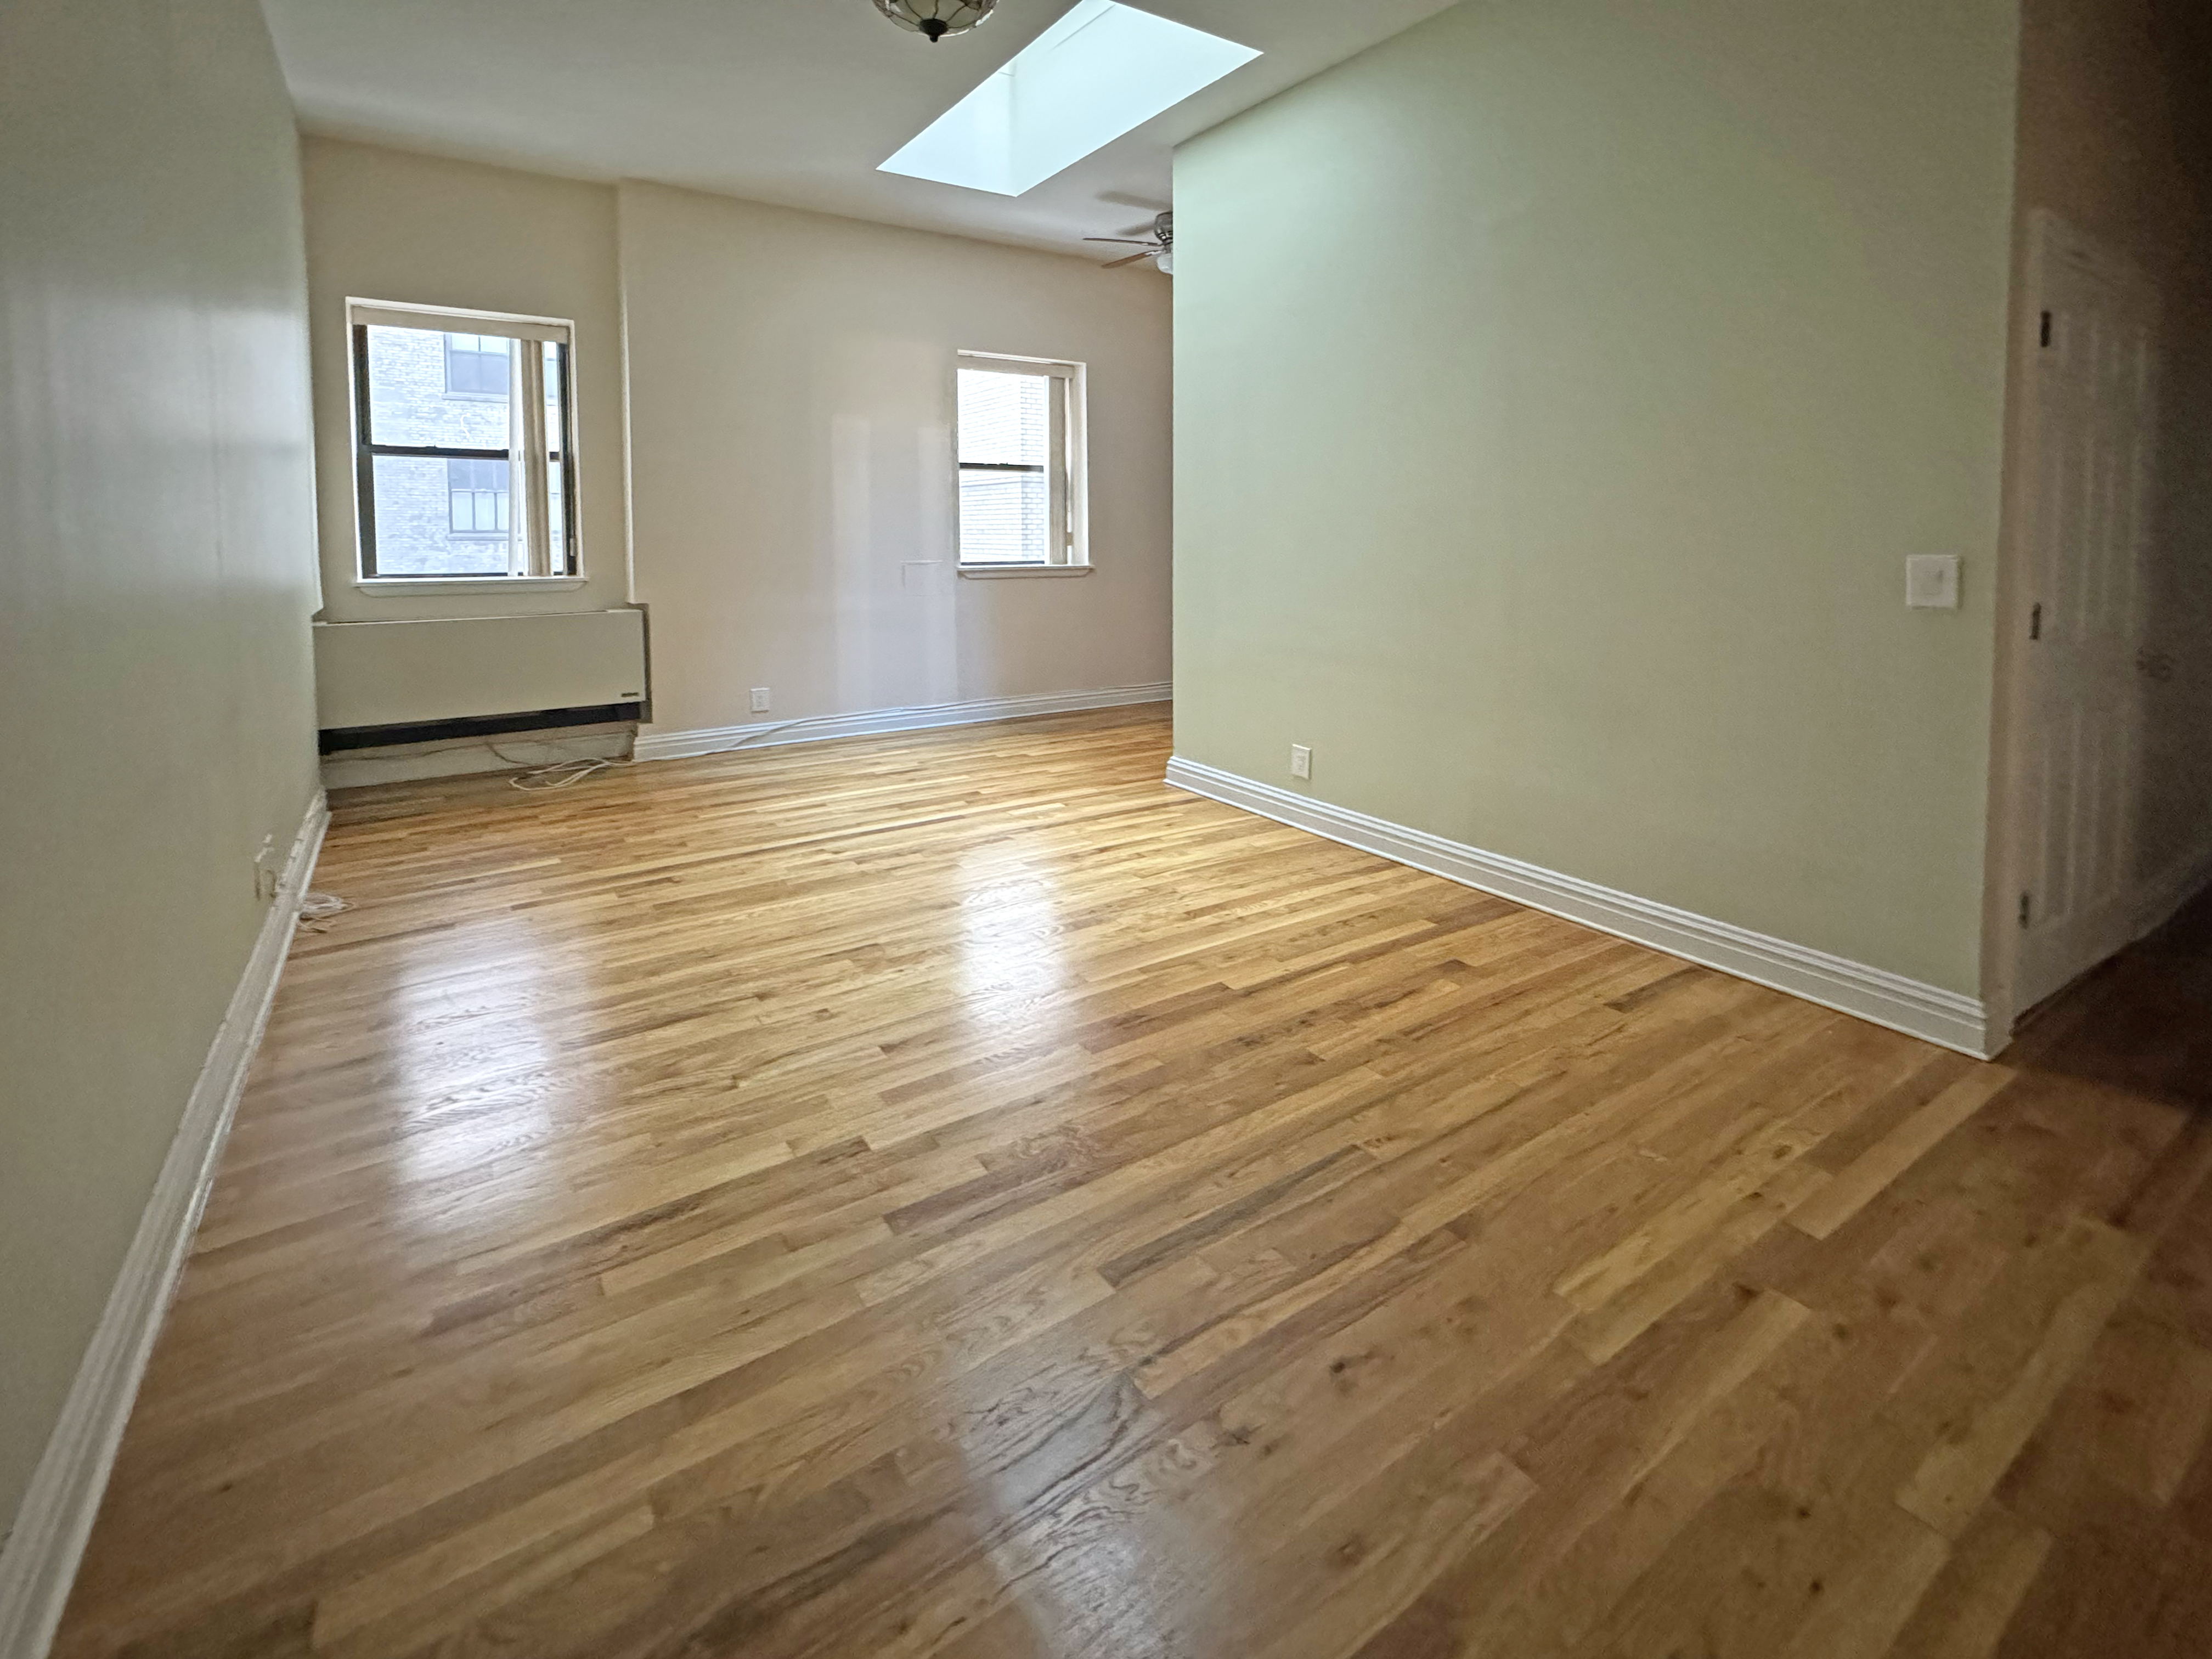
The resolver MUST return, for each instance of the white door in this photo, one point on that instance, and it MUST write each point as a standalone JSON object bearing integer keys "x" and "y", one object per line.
{"x": 2079, "y": 745}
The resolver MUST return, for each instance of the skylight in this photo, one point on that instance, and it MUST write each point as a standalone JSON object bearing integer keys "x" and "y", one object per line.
{"x": 1102, "y": 69}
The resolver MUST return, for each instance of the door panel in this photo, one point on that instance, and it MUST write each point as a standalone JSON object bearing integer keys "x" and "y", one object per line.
{"x": 2081, "y": 743}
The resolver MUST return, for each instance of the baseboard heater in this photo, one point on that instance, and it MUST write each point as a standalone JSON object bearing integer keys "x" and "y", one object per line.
{"x": 380, "y": 683}
{"x": 336, "y": 740}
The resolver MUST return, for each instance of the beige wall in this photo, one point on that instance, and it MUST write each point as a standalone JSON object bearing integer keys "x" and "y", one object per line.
{"x": 1560, "y": 387}
{"x": 788, "y": 395}
{"x": 2116, "y": 137}
{"x": 791, "y": 380}
{"x": 157, "y": 576}
{"x": 385, "y": 224}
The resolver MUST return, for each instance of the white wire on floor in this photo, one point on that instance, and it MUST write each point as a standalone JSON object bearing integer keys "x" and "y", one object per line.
{"x": 560, "y": 774}
{"x": 317, "y": 910}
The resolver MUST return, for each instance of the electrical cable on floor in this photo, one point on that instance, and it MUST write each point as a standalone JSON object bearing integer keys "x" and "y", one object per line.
{"x": 560, "y": 774}
{"x": 317, "y": 910}
{"x": 412, "y": 753}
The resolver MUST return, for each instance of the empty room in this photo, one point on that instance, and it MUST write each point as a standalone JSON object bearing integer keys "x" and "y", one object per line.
{"x": 1106, "y": 830}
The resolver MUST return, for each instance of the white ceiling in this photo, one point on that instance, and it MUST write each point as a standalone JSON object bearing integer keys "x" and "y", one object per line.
{"x": 792, "y": 101}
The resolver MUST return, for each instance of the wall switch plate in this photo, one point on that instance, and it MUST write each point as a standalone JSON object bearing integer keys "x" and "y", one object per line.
{"x": 1301, "y": 761}
{"x": 1931, "y": 581}
{"x": 760, "y": 699}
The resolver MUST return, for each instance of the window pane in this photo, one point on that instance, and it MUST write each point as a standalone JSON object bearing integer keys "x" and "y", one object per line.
{"x": 1004, "y": 517}
{"x": 554, "y": 386}
{"x": 456, "y": 513}
{"x": 1005, "y": 418}
{"x": 416, "y": 396}
{"x": 417, "y": 510}
{"x": 556, "y": 517}
{"x": 557, "y": 427}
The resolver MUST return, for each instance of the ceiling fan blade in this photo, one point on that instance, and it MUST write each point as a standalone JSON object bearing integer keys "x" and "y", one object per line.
{"x": 1128, "y": 259}
{"x": 1131, "y": 241}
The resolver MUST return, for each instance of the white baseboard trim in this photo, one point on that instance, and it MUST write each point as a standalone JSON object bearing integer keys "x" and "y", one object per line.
{"x": 1946, "y": 1018}
{"x": 39, "y": 1559}
{"x": 711, "y": 740}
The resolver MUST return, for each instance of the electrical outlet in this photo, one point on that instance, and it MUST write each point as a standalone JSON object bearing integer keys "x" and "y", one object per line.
{"x": 1301, "y": 761}
{"x": 760, "y": 699}
{"x": 266, "y": 873}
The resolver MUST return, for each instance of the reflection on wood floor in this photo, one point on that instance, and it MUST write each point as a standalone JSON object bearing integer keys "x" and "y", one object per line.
{"x": 951, "y": 1194}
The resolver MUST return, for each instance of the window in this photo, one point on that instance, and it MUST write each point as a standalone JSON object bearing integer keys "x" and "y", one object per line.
{"x": 1019, "y": 461}
{"x": 466, "y": 444}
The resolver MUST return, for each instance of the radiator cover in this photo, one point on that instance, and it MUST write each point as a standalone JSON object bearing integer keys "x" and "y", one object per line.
{"x": 404, "y": 673}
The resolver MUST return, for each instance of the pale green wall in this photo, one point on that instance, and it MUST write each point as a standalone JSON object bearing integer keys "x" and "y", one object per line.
{"x": 1560, "y": 386}
{"x": 157, "y": 576}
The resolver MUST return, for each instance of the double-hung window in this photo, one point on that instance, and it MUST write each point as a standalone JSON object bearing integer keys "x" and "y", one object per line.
{"x": 1020, "y": 463}
{"x": 465, "y": 442}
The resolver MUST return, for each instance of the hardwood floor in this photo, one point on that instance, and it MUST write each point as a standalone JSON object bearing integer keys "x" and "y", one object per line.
{"x": 953, "y": 1195}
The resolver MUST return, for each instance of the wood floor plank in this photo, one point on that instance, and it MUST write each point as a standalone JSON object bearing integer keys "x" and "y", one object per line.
{"x": 1965, "y": 1611}
{"x": 1950, "y": 1483}
{"x": 1895, "y": 1152}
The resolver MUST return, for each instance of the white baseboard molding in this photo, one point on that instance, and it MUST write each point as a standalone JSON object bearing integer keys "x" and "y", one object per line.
{"x": 712, "y": 740}
{"x": 39, "y": 1559}
{"x": 1947, "y": 1017}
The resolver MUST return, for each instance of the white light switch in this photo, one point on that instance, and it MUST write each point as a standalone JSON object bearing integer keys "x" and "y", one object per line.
{"x": 1931, "y": 581}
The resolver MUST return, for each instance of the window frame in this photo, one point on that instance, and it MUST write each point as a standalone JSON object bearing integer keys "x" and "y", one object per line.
{"x": 537, "y": 555}
{"x": 1067, "y": 482}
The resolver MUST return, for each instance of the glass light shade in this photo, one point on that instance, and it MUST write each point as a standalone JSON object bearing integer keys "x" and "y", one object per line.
{"x": 935, "y": 19}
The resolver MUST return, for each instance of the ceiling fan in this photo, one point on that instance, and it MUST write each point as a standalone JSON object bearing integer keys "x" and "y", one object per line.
{"x": 1159, "y": 247}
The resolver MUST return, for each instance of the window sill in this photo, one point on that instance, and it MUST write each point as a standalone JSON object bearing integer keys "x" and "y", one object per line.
{"x": 385, "y": 587}
{"x": 995, "y": 570}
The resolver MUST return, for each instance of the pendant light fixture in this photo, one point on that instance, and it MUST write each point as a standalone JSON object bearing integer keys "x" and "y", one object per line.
{"x": 935, "y": 19}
